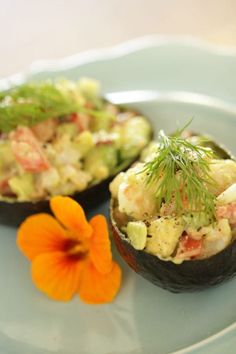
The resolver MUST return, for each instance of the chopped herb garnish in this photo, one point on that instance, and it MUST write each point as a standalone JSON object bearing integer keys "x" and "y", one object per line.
{"x": 180, "y": 172}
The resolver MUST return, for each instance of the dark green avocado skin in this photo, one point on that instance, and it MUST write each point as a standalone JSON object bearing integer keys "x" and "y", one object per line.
{"x": 189, "y": 276}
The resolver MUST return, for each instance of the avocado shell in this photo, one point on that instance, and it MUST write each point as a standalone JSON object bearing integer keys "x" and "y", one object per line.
{"x": 188, "y": 276}
{"x": 13, "y": 213}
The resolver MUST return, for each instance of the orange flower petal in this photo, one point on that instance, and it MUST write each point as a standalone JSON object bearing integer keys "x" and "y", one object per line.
{"x": 71, "y": 215}
{"x": 39, "y": 234}
{"x": 56, "y": 275}
{"x": 97, "y": 288}
{"x": 100, "y": 247}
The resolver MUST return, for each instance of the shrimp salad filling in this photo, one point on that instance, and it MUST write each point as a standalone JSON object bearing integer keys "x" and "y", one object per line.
{"x": 62, "y": 137}
{"x": 179, "y": 202}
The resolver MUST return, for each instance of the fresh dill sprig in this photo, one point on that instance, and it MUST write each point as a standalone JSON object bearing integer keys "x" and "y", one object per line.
{"x": 180, "y": 173}
{"x": 32, "y": 103}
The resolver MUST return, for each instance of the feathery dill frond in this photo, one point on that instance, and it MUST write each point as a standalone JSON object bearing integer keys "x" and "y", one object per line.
{"x": 180, "y": 172}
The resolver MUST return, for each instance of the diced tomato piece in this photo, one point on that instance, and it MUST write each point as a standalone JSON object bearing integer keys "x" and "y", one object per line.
{"x": 189, "y": 247}
{"x": 4, "y": 187}
{"x": 27, "y": 150}
{"x": 81, "y": 120}
{"x": 190, "y": 243}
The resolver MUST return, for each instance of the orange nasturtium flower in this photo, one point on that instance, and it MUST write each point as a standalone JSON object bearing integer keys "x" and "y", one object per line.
{"x": 69, "y": 254}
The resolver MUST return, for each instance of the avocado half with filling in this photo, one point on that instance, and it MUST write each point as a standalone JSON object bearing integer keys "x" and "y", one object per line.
{"x": 62, "y": 138}
{"x": 178, "y": 243}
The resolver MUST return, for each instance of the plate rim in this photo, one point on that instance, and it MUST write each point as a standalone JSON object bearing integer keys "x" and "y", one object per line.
{"x": 123, "y": 48}
{"x": 208, "y": 340}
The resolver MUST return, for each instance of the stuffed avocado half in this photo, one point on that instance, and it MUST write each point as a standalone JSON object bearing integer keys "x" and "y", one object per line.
{"x": 62, "y": 138}
{"x": 174, "y": 213}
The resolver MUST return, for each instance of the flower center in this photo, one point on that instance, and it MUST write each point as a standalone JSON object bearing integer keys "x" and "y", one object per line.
{"x": 76, "y": 248}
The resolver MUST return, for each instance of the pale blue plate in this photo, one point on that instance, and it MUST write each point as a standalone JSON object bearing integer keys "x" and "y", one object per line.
{"x": 169, "y": 80}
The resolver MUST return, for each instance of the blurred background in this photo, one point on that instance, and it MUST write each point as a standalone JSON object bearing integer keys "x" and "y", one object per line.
{"x": 47, "y": 29}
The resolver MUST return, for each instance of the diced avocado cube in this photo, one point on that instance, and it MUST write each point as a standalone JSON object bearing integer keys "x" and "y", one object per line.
{"x": 196, "y": 220}
{"x": 100, "y": 161}
{"x": 137, "y": 233}
{"x": 23, "y": 186}
{"x": 6, "y": 154}
{"x": 136, "y": 134}
{"x": 84, "y": 142}
{"x": 69, "y": 129}
{"x": 102, "y": 121}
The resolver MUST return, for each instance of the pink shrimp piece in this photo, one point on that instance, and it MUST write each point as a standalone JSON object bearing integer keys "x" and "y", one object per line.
{"x": 227, "y": 211}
